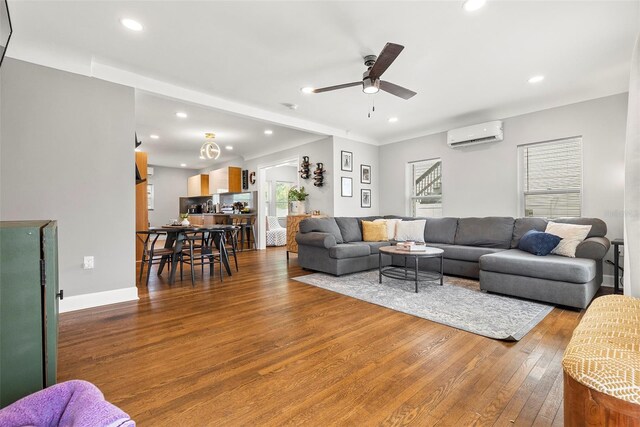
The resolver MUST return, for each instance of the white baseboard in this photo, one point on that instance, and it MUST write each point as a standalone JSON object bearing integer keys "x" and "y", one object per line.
{"x": 97, "y": 299}
{"x": 607, "y": 280}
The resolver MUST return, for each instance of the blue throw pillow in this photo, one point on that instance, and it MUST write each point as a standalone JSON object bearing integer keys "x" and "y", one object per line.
{"x": 538, "y": 242}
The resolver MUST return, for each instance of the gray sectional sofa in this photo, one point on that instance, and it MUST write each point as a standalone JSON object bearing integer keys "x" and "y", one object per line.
{"x": 484, "y": 248}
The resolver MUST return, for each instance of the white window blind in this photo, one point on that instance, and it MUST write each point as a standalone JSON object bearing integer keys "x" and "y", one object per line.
{"x": 426, "y": 188}
{"x": 552, "y": 178}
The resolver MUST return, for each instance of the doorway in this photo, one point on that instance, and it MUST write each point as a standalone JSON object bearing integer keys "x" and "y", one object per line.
{"x": 274, "y": 182}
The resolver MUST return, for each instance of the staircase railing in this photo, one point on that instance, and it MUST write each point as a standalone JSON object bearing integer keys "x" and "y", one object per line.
{"x": 430, "y": 182}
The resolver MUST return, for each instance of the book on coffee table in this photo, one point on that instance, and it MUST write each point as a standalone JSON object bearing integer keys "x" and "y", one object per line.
{"x": 412, "y": 247}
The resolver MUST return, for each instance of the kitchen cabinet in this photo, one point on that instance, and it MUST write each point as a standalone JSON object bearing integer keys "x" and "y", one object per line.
{"x": 198, "y": 185}
{"x": 225, "y": 180}
{"x": 28, "y": 307}
{"x": 201, "y": 219}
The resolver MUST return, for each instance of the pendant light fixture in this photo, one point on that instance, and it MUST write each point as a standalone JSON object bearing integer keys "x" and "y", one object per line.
{"x": 209, "y": 149}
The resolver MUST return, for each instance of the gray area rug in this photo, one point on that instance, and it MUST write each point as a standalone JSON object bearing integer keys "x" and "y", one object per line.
{"x": 459, "y": 303}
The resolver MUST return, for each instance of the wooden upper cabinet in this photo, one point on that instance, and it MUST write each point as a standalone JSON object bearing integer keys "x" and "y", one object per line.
{"x": 198, "y": 185}
{"x": 225, "y": 180}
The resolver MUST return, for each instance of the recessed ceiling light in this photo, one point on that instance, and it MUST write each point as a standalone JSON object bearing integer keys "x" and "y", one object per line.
{"x": 154, "y": 136}
{"x": 393, "y": 119}
{"x": 268, "y": 132}
{"x": 131, "y": 24}
{"x": 184, "y": 165}
{"x": 307, "y": 90}
{"x": 471, "y": 5}
{"x": 536, "y": 79}
{"x": 229, "y": 147}
{"x": 181, "y": 115}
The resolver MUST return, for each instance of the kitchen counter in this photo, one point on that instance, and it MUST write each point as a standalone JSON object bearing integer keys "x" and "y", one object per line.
{"x": 225, "y": 214}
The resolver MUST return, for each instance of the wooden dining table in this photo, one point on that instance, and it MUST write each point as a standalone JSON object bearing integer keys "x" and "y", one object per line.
{"x": 175, "y": 239}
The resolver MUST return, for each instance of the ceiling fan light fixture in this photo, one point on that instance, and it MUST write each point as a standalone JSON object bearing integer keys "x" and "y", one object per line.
{"x": 370, "y": 87}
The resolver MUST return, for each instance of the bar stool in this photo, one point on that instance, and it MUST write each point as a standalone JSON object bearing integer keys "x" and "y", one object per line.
{"x": 247, "y": 228}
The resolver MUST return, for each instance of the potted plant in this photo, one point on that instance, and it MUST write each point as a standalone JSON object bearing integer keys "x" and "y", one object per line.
{"x": 297, "y": 198}
{"x": 185, "y": 219}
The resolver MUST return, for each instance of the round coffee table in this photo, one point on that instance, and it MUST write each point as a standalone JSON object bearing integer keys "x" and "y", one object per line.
{"x": 404, "y": 273}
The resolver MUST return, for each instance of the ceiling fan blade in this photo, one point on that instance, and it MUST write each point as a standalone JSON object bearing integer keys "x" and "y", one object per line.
{"x": 389, "y": 53}
{"x": 396, "y": 90}
{"x": 336, "y": 87}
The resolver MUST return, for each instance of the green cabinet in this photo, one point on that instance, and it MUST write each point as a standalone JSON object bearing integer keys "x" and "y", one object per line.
{"x": 28, "y": 307}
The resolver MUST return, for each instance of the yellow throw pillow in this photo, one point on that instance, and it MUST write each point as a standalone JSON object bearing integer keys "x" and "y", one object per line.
{"x": 374, "y": 231}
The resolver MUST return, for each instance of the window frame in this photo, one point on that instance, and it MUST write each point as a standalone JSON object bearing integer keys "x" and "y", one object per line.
{"x": 522, "y": 175}
{"x": 276, "y": 203}
{"x": 409, "y": 194}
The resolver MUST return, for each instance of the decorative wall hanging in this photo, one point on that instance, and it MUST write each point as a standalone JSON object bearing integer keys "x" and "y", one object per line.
{"x": 252, "y": 178}
{"x": 318, "y": 175}
{"x": 365, "y": 174}
{"x": 209, "y": 149}
{"x": 346, "y": 161}
{"x": 305, "y": 168}
{"x": 245, "y": 179}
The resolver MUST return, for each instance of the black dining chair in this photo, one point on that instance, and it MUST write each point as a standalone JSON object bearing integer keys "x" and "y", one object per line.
{"x": 199, "y": 250}
{"x": 150, "y": 253}
{"x": 231, "y": 242}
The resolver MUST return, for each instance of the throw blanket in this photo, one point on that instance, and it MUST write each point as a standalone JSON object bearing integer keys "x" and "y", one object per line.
{"x": 73, "y": 403}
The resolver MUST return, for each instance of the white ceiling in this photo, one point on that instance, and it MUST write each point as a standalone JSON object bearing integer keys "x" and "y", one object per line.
{"x": 466, "y": 67}
{"x": 180, "y": 139}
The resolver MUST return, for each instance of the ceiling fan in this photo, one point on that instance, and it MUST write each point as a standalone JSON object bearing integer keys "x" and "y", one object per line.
{"x": 376, "y": 66}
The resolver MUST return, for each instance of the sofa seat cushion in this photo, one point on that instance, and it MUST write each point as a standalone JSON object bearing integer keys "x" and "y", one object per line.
{"x": 349, "y": 250}
{"x": 550, "y": 267}
{"x": 373, "y": 246}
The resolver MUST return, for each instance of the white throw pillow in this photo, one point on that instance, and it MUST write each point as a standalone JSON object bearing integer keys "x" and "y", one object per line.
{"x": 391, "y": 226}
{"x": 572, "y": 235}
{"x": 410, "y": 230}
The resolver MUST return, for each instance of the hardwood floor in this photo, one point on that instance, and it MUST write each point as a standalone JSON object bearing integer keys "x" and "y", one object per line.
{"x": 261, "y": 349}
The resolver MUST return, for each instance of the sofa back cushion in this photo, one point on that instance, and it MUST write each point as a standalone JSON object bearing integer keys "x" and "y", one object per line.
{"x": 489, "y": 232}
{"x": 322, "y": 225}
{"x": 350, "y": 228}
{"x": 524, "y": 225}
{"x": 441, "y": 230}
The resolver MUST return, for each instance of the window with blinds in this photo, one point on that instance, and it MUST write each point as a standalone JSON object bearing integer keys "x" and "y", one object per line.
{"x": 552, "y": 178}
{"x": 426, "y": 188}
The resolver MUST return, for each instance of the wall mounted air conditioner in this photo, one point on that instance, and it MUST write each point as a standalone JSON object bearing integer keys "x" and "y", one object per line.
{"x": 476, "y": 134}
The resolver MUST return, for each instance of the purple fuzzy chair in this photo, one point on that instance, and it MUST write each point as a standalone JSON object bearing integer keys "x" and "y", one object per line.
{"x": 73, "y": 403}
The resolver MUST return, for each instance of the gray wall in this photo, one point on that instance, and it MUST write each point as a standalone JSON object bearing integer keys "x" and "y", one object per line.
{"x": 362, "y": 154}
{"x": 67, "y": 154}
{"x": 169, "y": 184}
{"x": 483, "y": 180}
{"x": 320, "y": 198}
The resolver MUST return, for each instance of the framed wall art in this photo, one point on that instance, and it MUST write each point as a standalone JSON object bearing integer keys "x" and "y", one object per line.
{"x": 346, "y": 187}
{"x": 346, "y": 161}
